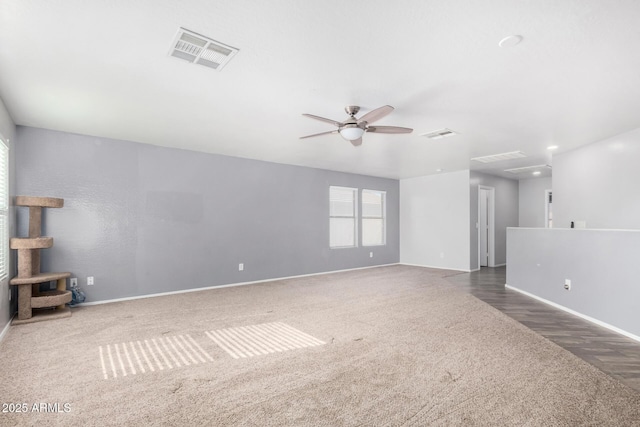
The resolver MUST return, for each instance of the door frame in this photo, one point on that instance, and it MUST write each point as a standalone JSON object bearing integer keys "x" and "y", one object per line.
{"x": 546, "y": 207}
{"x": 491, "y": 261}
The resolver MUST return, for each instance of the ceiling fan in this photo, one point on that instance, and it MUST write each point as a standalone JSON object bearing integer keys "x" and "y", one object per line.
{"x": 352, "y": 129}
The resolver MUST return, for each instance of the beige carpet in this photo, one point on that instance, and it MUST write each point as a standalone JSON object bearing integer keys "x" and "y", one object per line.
{"x": 394, "y": 346}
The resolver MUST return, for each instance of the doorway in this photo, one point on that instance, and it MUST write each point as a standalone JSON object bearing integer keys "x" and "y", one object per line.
{"x": 548, "y": 211}
{"x": 486, "y": 226}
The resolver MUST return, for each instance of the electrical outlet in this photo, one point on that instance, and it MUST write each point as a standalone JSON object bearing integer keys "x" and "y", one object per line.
{"x": 370, "y": 254}
{"x": 241, "y": 267}
{"x": 74, "y": 282}
{"x": 567, "y": 284}
{"x": 90, "y": 281}
{"x": 442, "y": 255}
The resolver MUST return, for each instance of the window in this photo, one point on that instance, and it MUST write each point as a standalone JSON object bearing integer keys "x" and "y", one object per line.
{"x": 343, "y": 230}
{"x": 4, "y": 210}
{"x": 373, "y": 218}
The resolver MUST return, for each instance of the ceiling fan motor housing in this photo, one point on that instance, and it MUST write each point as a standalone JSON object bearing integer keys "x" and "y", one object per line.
{"x": 352, "y": 110}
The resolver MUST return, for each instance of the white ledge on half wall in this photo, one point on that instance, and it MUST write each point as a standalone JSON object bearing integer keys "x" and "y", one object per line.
{"x": 577, "y": 229}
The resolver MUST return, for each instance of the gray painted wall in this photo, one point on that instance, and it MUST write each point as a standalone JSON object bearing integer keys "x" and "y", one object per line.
{"x": 601, "y": 264}
{"x": 531, "y": 194}
{"x": 506, "y": 214}
{"x": 598, "y": 183}
{"x": 8, "y": 132}
{"x": 144, "y": 219}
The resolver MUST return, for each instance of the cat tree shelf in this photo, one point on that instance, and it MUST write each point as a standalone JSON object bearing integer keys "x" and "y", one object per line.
{"x": 39, "y": 278}
{"x": 48, "y": 304}
{"x": 39, "y": 202}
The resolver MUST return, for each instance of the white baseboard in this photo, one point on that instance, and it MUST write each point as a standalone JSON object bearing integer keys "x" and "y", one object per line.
{"x": 6, "y": 328}
{"x": 575, "y": 313}
{"x": 437, "y": 268}
{"x": 230, "y": 285}
{"x": 500, "y": 265}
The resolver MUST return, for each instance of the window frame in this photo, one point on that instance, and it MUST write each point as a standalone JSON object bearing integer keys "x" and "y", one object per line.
{"x": 383, "y": 216}
{"x": 354, "y": 217}
{"x": 4, "y": 208}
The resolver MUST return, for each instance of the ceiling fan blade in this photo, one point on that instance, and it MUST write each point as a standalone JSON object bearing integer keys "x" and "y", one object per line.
{"x": 376, "y": 114}
{"x": 356, "y": 142}
{"x": 322, "y": 119}
{"x": 388, "y": 129}
{"x": 318, "y": 134}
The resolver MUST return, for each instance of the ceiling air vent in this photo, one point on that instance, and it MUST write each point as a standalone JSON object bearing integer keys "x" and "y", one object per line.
{"x": 197, "y": 49}
{"x": 499, "y": 157}
{"x": 442, "y": 133}
{"x": 527, "y": 169}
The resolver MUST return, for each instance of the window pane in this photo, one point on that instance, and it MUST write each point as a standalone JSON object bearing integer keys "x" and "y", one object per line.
{"x": 4, "y": 214}
{"x": 341, "y": 201}
{"x": 342, "y": 232}
{"x": 373, "y": 218}
{"x": 372, "y": 232}
{"x": 371, "y": 203}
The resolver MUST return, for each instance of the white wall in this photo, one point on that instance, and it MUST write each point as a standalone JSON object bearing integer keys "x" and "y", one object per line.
{"x": 434, "y": 220}
{"x": 531, "y": 195}
{"x": 506, "y": 214}
{"x": 596, "y": 183}
{"x": 599, "y": 183}
{"x": 8, "y": 131}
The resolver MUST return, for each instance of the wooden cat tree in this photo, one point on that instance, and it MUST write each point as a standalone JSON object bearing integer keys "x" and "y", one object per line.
{"x": 47, "y": 304}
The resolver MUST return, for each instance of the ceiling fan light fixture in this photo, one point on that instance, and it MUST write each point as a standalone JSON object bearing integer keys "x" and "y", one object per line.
{"x": 351, "y": 132}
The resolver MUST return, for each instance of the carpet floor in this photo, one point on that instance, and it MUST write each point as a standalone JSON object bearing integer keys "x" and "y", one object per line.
{"x": 387, "y": 346}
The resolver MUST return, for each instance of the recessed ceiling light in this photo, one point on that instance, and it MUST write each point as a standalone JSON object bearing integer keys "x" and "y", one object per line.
{"x": 552, "y": 147}
{"x": 536, "y": 173}
{"x": 439, "y": 170}
{"x": 510, "y": 41}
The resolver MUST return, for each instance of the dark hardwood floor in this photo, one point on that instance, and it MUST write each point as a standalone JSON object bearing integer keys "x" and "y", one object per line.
{"x": 612, "y": 353}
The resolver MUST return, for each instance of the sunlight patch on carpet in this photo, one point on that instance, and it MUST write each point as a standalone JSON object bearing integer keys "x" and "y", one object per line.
{"x": 265, "y": 338}
{"x": 138, "y": 357}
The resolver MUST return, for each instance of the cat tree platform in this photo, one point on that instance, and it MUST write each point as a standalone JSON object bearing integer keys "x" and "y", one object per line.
{"x": 35, "y": 305}
{"x": 51, "y": 302}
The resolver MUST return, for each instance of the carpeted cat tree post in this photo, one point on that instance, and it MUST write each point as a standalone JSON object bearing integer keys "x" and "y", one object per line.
{"x": 47, "y": 304}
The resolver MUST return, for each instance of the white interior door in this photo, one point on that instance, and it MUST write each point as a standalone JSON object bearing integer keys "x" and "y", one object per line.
{"x": 486, "y": 226}
{"x": 483, "y": 219}
{"x": 548, "y": 209}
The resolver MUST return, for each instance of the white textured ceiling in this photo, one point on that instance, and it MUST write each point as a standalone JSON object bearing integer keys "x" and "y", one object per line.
{"x": 102, "y": 68}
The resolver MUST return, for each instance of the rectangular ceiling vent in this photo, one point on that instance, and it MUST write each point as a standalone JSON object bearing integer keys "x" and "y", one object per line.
{"x": 197, "y": 49}
{"x": 438, "y": 134}
{"x": 499, "y": 157}
{"x": 527, "y": 169}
